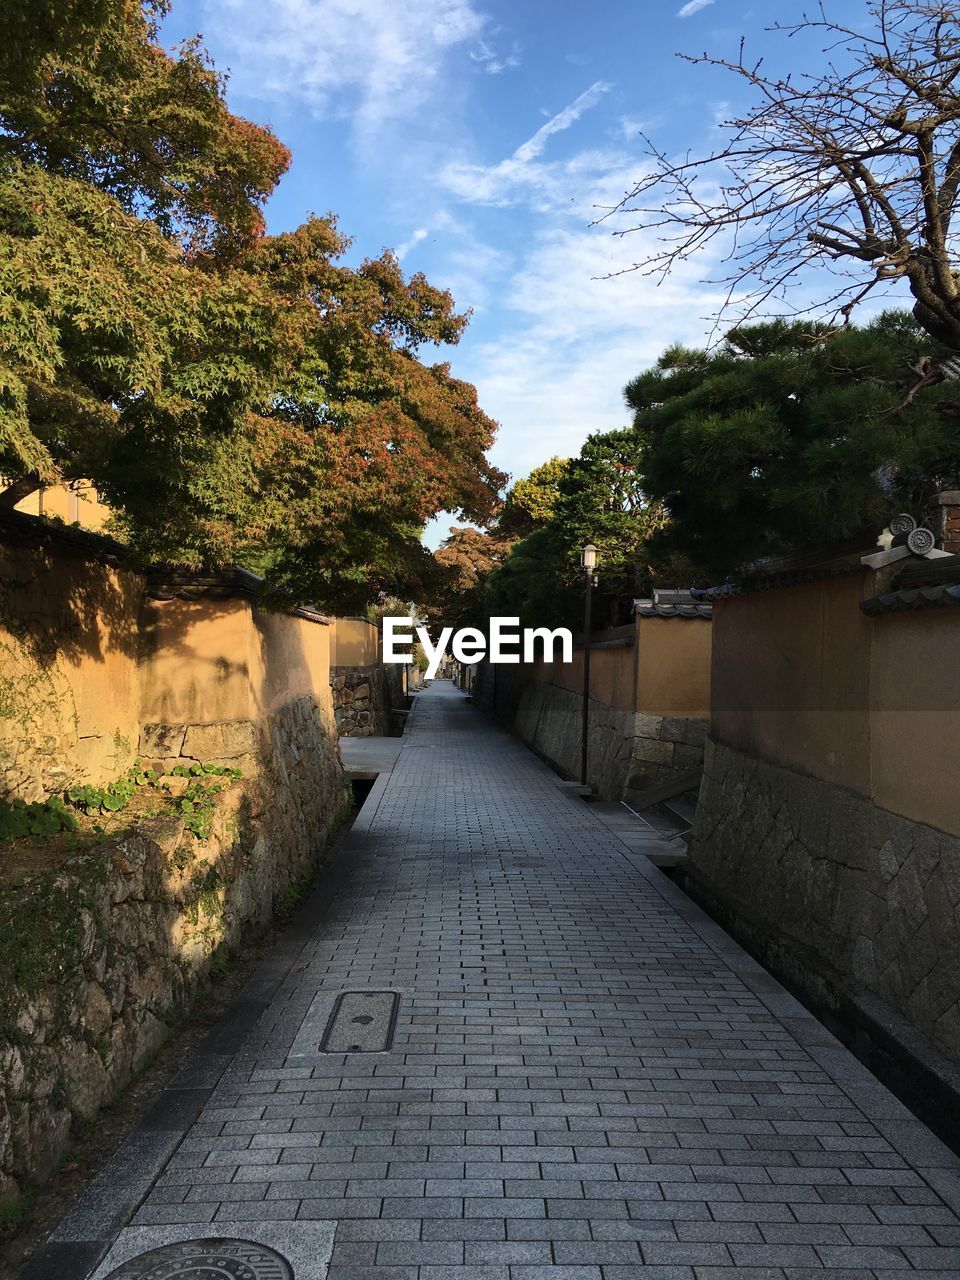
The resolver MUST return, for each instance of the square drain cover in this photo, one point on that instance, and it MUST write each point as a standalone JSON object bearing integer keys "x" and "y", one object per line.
{"x": 361, "y": 1022}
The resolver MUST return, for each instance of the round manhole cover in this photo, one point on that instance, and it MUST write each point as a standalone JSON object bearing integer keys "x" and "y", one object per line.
{"x": 213, "y": 1259}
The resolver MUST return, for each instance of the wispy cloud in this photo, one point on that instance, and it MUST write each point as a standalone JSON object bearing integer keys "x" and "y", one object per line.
{"x": 520, "y": 176}
{"x": 534, "y": 146}
{"x": 372, "y": 60}
{"x": 570, "y": 330}
{"x": 492, "y": 62}
{"x": 692, "y": 7}
{"x": 411, "y": 242}
{"x": 574, "y": 336}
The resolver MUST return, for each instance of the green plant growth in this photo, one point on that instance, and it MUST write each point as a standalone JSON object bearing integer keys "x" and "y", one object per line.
{"x": 12, "y": 1215}
{"x": 19, "y": 819}
{"x": 41, "y": 937}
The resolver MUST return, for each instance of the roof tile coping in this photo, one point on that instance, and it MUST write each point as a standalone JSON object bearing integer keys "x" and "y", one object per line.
{"x": 922, "y": 584}
{"x": 671, "y": 602}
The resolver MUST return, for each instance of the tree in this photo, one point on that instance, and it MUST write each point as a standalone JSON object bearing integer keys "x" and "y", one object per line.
{"x": 235, "y": 396}
{"x": 530, "y": 502}
{"x": 857, "y": 167}
{"x": 600, "y": 500}
{"x": 790, "y": 436}
{"x": 467, "y": 558}
{"x": 86, "y": 92}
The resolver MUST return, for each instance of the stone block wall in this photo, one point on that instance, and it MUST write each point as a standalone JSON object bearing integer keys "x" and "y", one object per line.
{"x": 110, "y": 948}
{"x": 363, "y": 699}
{"x": 496, "y": 690}
{"x": 854, "y": 893}
{"x": 627, "y": 751}
{"x": 98, "y": 665}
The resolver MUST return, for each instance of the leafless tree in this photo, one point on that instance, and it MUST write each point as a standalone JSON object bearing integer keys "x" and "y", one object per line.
{"x": 856, "y": 166}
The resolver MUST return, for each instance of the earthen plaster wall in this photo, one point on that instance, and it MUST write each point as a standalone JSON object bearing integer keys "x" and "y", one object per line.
{"x": 828, "y": 822}
{"x": 69, "y": 674}
{"x": 93, "y": 673}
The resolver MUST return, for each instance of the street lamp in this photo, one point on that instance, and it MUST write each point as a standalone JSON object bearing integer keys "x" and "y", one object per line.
{"x": 588, "y": 558}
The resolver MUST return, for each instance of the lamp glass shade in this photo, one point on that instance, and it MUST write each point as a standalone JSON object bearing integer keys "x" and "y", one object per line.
{"x": 588, "y": 557}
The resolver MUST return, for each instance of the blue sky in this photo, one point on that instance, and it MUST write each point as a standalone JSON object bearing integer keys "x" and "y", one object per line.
{"x": 480, "y": 139}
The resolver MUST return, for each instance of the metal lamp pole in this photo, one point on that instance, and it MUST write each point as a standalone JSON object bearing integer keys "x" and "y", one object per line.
{"x": 588, "y": 558}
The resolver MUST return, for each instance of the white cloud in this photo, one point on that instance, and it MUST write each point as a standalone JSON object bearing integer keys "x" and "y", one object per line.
{"x": 534, "y": 146}
{"x": 630, "y": 128}
{"x": 570, "y": 330}
{"x": 557, "y": 369}
{"x": 492, "y": 62}
{"x": 374, "y": 60}
{"x": 411, "y": 242}
{"x": 475, "y": 273}
{"x": 692, "y": 7}
{"x": 520, "y": 176}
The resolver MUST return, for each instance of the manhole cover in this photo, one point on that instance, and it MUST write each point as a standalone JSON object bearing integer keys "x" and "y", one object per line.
{"x": 361, "y": 1022}
{"x": 213, "y": 1259}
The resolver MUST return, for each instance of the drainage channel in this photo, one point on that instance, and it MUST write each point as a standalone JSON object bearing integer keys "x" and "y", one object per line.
{"x": 361, "y": 784}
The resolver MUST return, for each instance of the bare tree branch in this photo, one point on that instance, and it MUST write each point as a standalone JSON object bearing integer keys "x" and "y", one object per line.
{"x": 856, "y": 166}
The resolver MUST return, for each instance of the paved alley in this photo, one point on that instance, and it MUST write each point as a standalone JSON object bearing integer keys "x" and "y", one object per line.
{"x": 587, "y": 1079}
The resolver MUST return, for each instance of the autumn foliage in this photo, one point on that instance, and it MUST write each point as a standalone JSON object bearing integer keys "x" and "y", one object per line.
{"x": 237, "y": 397}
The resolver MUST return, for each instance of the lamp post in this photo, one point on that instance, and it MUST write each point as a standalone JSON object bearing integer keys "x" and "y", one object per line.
{"x": 588, "y": 558}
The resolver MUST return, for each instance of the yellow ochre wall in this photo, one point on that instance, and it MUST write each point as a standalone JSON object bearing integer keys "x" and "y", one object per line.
{"x": 915, "y": 716}
{"x": 791, "y": 677}
{"x": 355, "y": 643}
{"x": 803, "y": 679}
{"x": 209, "y": 660}
{"x": 69, "y": 679}
{"x": 75, "y": 503}
{"x": 86, "y": 659}
{"x": 664, "y": 672}
{"x": 673, "y": 666}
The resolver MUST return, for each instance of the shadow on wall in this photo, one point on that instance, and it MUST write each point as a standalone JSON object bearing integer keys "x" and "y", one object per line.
{"x": 829, "y": 814}
{"x": 63, "y": 595}
{"x": 649, "y": 702}
{"x": 68, "y": 658}
{"x": 109, "y": 947}
{"x": 366, "y": 691}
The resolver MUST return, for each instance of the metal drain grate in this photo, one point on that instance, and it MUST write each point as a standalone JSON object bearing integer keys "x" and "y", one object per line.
{"x": 212, "y": 1259}
{"x": 361, "y": 1022}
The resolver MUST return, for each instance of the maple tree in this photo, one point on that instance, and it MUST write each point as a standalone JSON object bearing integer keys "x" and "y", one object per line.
{"x": 465, "y": 560}
{"x": 87, "y": 92}
{"x": 236, "y": 397}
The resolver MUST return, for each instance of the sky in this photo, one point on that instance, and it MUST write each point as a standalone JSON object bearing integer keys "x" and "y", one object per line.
{"x": 482, "y": 140}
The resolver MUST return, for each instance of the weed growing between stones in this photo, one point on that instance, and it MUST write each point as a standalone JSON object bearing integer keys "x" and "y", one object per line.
{"x": 195, "y": 799}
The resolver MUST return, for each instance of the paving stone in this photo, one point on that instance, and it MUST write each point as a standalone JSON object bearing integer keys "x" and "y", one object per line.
{"x": 588, "y": 1079}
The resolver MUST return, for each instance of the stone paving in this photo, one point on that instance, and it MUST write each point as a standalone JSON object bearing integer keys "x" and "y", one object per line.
{"x": 588, "y": 1080}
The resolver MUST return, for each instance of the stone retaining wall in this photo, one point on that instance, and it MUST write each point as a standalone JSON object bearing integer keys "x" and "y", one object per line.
{"x": 627, "y": 751}
{"x": 848, "y": 887}
{"x": 112, "y": 945}
{"x": 363, "y": 699}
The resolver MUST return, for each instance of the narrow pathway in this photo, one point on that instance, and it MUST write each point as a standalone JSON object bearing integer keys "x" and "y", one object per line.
{"x": 588, "y": 1080}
